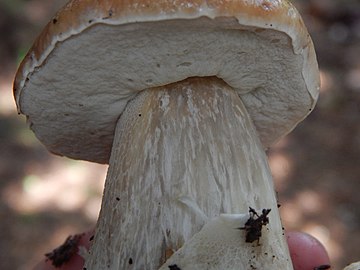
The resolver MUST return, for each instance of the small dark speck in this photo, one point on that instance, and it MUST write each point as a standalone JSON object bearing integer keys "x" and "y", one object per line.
{"x": 90, "y": 21}
{"x": 130, "y": 261}
{"x": 84, "y": 268}
{"x": 81, "y": 105}
{"x": 55, "y": 21}
{"x": 275, "y": 40}
{"x": 139, "y": 114}
{"x": 174, "y": 267}
{"x": 91, "y": 238}
{"x": 109, "y": 15}
{"x": 117, "y": 198}
{"x": 322, "y": 267}
{"x": 184, "y": 64}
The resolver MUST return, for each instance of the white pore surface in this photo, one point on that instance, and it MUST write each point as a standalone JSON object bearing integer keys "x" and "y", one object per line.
{"x": 75, "y": 98}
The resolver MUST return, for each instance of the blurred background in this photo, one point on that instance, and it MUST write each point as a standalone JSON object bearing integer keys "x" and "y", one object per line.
{"x": 316, "y": 168}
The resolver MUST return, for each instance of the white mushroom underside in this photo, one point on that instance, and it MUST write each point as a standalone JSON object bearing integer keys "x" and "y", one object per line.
{"x": 74, "y": 100}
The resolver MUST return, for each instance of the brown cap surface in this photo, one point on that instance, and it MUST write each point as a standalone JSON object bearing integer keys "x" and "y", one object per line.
{"x": 94, "y": 56}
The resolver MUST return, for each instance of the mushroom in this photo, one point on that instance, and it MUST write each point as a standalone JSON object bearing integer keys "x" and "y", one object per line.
{"x": 180, "y": 98}
{"x": 353, "y": 266}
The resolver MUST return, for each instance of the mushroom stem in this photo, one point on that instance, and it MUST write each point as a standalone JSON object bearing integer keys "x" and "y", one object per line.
{"x": 183, "y": 154}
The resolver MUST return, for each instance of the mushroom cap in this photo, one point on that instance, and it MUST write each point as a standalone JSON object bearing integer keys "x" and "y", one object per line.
{"x": 94, "y": 56}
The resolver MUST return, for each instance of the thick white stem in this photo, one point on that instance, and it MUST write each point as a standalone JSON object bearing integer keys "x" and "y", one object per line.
{"x": 183, "y": 154}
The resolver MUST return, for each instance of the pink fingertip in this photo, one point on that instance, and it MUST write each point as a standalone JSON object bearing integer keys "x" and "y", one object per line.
{"x": 306, "y": 252}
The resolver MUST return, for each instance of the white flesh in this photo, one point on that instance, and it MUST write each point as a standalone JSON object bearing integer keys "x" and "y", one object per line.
{"x": 182, "y": 155}
{"x": 353, "y": 266}
{"x": 220, "y": 245}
